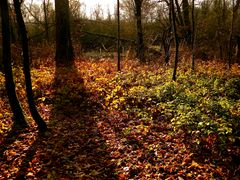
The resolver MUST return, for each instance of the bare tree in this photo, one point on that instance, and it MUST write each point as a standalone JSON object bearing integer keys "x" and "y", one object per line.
{"x": 97, "y": 13}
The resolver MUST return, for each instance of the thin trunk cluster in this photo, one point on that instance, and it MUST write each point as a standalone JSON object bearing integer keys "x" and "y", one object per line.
{"x": 26, "y": 67}
{"x": 18, "y": 116}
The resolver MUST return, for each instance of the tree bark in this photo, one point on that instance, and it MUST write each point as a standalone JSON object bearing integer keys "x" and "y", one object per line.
{"x": 185, "y": 6}
{"x": 118, "y": 37}
{"x": 45, "y": 9}
{"x": 140, "y": 43}
{"x": 176, "y": 40}
{"x": 64, "y": 48}
{"x": 238, "y": 50}
{"x": 230, "y": 46}
{"x": 26, "y": 68}
{"x": 18, "y": 116}
{"x": 193, "y": 35}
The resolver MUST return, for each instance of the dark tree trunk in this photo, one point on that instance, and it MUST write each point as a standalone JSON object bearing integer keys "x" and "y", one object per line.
{"x": 176, "y": 40}
{"x": 26, "y": 67}
{"x": 221, "y": 20}
{"x": 118, "y": 38}
{"x": 185, "y": 6}
{"x": 18, "y": 116}
{"x": 45, "y": 9}
{"x": 64, "y": 48}
{"x": 12, "y": 26}
{"x": 140, "y": 43}
{"x": 193, "y": 36}
{"x": 238, "y": 50}
{"x": 230, "y": 46}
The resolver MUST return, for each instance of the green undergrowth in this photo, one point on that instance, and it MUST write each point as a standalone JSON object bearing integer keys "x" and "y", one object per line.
{"x": 202, "y": 104}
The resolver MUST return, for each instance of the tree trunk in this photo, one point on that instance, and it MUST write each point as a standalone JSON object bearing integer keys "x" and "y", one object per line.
{"x": 185, "y": 6}
{"x": 221, "y": 30}
{"x": 118, "y": 38}
{"x": 45, "y": 9}
{"x": 140, "y": 43}
{"x": 176, "y": 40}
{"x": 64, "y": 48}
{"x": 18, "y": 116}
{"x": 26, "y": 68}
{"x": 193, "y": 35}
{"x": 238, "y": 50}
{"x": 230, "y": 46}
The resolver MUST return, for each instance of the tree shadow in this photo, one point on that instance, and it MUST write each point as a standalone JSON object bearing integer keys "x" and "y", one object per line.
{"x": 10, "y": 138}
{"x": 73, "y": 147}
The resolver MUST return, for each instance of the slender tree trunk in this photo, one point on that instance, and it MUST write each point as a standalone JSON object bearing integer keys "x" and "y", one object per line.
{"x": 238, "y": 50}
{"x": 230, "y": 38}
{"x": 64, "y": 48}
{"x": 230, "y": 46}
{"x": 45, "y": 9}
{"x": 26, "y": 67}
{"x": 193, "y": 36}
{"x": 118, "y": 39}
{"x": 185, "y": 6}
{"x": 221, "y": 26}
{"x": 18, "y": 116}
{"x": 176, "y": 40}
{"x": 140, "y": 43}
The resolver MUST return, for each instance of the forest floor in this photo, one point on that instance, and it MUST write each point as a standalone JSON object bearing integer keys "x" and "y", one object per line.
{"x": 137, "y": 124}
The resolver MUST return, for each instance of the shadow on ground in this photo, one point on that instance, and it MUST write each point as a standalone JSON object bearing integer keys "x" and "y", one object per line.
{"x": 73, "y": 147}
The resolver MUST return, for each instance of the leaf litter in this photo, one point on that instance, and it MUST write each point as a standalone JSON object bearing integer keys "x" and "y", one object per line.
{"x": 94, "y": 135}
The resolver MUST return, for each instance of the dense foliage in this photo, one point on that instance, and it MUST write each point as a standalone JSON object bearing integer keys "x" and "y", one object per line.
{"x": 136, "y": 123}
